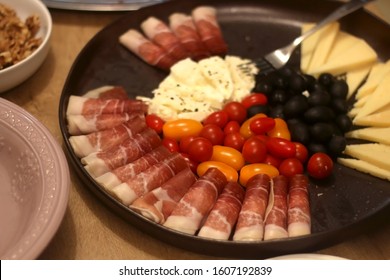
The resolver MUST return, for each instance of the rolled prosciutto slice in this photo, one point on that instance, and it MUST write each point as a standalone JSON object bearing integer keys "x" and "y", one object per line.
{"x": 195, "y": 205}
{"x": 158, "y": 204}
{"x": 276, "y": 220}
{"x": 131, "y": 149}
{"x": 123, "y": 173}
{"x": 148, "y": 180}
{"x": 79, "y": 105}
{"x": 223, "y": 216}
{"x": 250, "y": 224}
{"x": 159, "y": 33}
{"x": 85, "y": 124}
{"x": 298, "y": 219}
{"x": 205, "y": 19}
{"x": 107, "y": 92}
{"x": 184, "y": 28}
{"x": 148, "y": 51}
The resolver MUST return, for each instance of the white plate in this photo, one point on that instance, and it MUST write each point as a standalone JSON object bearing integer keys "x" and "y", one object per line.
{"x": 307, "y": 257}
{"x": 34, "y": 186}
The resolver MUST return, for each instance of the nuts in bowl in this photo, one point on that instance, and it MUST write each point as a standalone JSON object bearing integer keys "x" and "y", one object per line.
{"x": 25, "y": 29}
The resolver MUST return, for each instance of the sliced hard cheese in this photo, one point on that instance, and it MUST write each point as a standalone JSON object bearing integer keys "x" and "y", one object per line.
{"x": 378, "y": 99}
{"x": 378, "y": 71}
{"x": 324, "y": 45}
{"x": 357, "y": 56}
{"x": 343, "y": 42}
{"x": 375, "y": 134}
{"x": 380, "y": 119}
{"x": 356, "y": 77}
{"x": 365, "y": 167}
{"x": 374, "y": 153}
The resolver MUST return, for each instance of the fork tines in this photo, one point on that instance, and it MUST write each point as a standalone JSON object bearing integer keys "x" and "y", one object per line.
{"x": 264, "y": 66}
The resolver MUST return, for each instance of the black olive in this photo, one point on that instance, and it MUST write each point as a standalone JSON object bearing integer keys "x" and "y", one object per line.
{"x": 337, "y": 145}
{"x": 297, "y": 83}
{"x": 265, "y": 87}
{"x": 316, "y": 148}
{"x": 276, "y": 112}
{"x": 286, "y": 71}
{"x": 319, "y": 114}
{"x": 321, "y": 132}
{"x": 326, "y": 79}
{"x": 310, "y": 81}
{"x": 317, "y": 86}
{"x": 280, "y": 82}
{"x": 339, "y": 105}
{"x": 318, "y": 97}
{"x": 295, "y": 106}
{"x": 344, "y": 123}
{"x": 257, "y": 109}
{"x": 278, "y": 96}
{"x": 299, "y": 132}
{"x": 339, "y": 89}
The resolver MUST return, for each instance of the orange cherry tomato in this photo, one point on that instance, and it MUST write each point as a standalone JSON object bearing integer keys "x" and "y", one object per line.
{"x": 180, "y": 128}
{"x": 230, "y": 173}
{"x": 248, "y": 171}
{"x": 245, "y": 129}
{"x": 280, "y": 130}
{"x": 228, "y": 155}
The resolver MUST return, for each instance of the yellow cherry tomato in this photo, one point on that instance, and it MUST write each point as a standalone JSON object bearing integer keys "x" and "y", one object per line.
{"x": 250, "y": 170}
{"x": 228, "y": 155}
{"x": 230, "y": 173}
{"x": 280, "y": 130}
{"x": 180, "y": 128}
{"x": 245, "y": 127}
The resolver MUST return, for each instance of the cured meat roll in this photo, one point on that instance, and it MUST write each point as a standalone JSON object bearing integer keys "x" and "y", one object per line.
{"x": 250, "y": 224}
{"x": 298, "y": 219}
{"x": 79, "y": 105}
{"x": 107, "y": 92}
{"x": 189, "y": 213}
{"x": 276, "y": 220}
{"x": 205, "y": 19}
{"x": 223, "y": 216}
{"x": 85, "y": 124}
{"x": 184, "y": 28}
{"x": 131, "y": 149}
{"x": 104, "y": 140}
{"x": 159, "y": 33}
{"x": 123, "y": 173}
{"x": 158, "y": 204}
{"x": 148, "y": 180}
{"x": 146, "y": 50}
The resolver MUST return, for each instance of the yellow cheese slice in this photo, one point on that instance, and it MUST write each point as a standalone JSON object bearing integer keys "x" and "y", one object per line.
{"x": 379, "y": 119}
{"x": 357, "y": 56}
{"x": 365, "y": 167}
{"x": 378, "y": 99}
{"x": 360, "y": 102}
{"x": 324, "y": 45}
{"x": 355, "y": 78}
{"x": 374, "y": 134}
{"x": 374, "y": 153}
{"x": 342, "y": 42}
{"x": 378, "y": 71}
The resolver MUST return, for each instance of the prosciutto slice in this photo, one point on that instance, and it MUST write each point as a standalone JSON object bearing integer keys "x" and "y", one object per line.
{"x": 104, "y": 140}
{"x": 184, "y": 28}
{"x": 121, "y": 174}
{"x": 148, "y": 51}
{"x": 158, "y": 204}
{"x": 159, "y": 33}
{"x": 250, "y": 224}
{"x": 207, "y": 25}
{"x": 148, "y": 180}
{"x": 85, "y": 124}
{"x": 299, "y": 221}
{"x": 276, "y": 220}
{"x": 195, "y": 205}
{"x": 131, "y": 149}
{"x": 79, "y": 105}
{"x": 107, "y": 92}
{"x": 223, "y": 216}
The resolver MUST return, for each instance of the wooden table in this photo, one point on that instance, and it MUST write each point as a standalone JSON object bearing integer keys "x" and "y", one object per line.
{"x": 89, "y": 229}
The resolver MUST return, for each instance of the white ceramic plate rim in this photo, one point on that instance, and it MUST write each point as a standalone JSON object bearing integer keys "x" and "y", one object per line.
{"x": 307, "y": 257}
{"x": 56, "y": 181}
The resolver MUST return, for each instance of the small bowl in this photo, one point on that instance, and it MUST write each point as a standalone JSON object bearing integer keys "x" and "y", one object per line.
{"x": 14, "y": 75}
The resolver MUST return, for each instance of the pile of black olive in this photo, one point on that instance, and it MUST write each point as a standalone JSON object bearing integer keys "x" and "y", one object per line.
{"x": 314, "y": 109}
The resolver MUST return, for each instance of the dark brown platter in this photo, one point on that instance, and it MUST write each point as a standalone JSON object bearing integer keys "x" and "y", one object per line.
{"x": 342, "y": 206}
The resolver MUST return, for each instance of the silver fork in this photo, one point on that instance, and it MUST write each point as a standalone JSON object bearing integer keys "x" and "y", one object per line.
{"x": 278, "y": 58}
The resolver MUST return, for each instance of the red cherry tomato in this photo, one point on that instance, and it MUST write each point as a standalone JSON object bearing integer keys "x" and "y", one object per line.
{"x": 272, "y": 160}
{"x": 154, "y": 122}
{"x": 200, "y": 149}
{"x": 170, "y": 144}
{"x": 301, "y": 152}
{"x": 280, "y": 147}
{"x": 262, "y": 125}
{"x": 231, "y": 127}
{"x": 254, "y": 99}
{"x": 291, "y": 166}
{"x": 245, "y": 127}
{"x": 213, "y": 133}
{"x": 280, "y": 130}
{"x": 192, "y": 164}
{"x": 234, "y": 140}
{"x": 236, "y": 111}
{"x": 219, "y": 118}
{"x": 179, "y": 128}
{"x": 320, "y": 165}
{"x": 254, "y": 150}
{"x": 184, "y": 143}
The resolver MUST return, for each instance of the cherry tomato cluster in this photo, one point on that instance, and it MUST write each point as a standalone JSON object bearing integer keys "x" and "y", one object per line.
{"x": 240, "y": 146}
